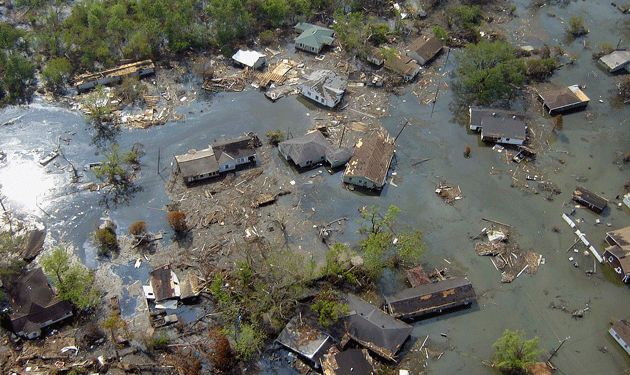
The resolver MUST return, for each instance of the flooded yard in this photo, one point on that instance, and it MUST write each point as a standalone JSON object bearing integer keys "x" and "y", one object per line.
{"x": 586, "y": 151}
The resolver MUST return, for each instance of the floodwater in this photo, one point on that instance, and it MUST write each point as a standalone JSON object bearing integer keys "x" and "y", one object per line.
{"x": 589, "y": 144}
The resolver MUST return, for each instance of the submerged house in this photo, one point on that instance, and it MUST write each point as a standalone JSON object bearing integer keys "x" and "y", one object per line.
{"x": 617, "y": 255}
{"x": 221, "y": 156}
{"x": 89, "y": 80}
{"x": 250, "y": 59}
{"x": 615, "y": 61}
{"x": 373, "y": 329}
{"x": 405, "y": 66}
{"x": 424, "y": 49}
{"x": 33, "y": 304}
{"x": 620, "y": 331}
{"x": 304, "y": 340}
{"x": 430, "y": 298}
{"x": 313, "y": 148}
{"x": 564, "y": 99}
{"x": 325, "y": 87}
{"x": 164, "y": 287}
{"x": 589, "y": 199}
{"x": 370, "y": 163}
{"x": 313, "y": 38}
{"x": 498, "y": 126}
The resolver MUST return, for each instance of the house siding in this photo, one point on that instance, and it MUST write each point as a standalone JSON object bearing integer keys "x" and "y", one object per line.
{"x": 619, "y": 340}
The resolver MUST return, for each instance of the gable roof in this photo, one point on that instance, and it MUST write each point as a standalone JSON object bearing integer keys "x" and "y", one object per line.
{"x": 327, "y": 83}
{"x": 427, "y": 47}
{"x": 307, "y": 147}
{"x": 622, "y": 256}
{"x": 503, "y": 126}
{"x": 563, "y": 98}
{"x": 372, "y": 328}
{"x": 477, "y": 114}
{"x": 33, "y": 302}
{"x": 196, "y": 163}
{"x": 371, "y": 159}
{"x": 426, "y": 298}
{"x": 313, "y": 35}
{"x": 622, "y": 329}
{"x": 239, "y": 147}
{"x": 163, "y": 282}
{"x": 403, "y": 65}
{"x": 620, "y": 237}
{"x": 582, "y": 194}
{"x": 247, "y": 57}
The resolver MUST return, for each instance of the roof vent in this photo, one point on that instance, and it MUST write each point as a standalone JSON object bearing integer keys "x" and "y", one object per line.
{"x": 494, "y": 113}
{"x": 192, "y": 151}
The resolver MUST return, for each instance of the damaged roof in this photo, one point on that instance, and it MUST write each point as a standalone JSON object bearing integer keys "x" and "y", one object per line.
{"x": 593, "y": 200}
{"x": 164, "y": 283}
{"x": 348, "y": 362}
{"x": 426, "y": 46}
{"x": 622, "y": 256}
{"x": 403, "y": 65}
{"x": 247, "y": 57}
{"x": 327, "y": 83}
{"x": 564, "y": 98}
{"x": 303, "y": 339}
{"x": 33, "y": 302}
{"x": 428, "y": 298}
{"x": 371, "y": 159}
{"x": 33, "y": 244}
{"x": 497, "y": 126}
{"x": 621, "y": 237}
{"x": 239, "y": 147}
{"x": 307, "y": 147}
{"x": 196, "y": 163}
{"x": 372, "y": 328}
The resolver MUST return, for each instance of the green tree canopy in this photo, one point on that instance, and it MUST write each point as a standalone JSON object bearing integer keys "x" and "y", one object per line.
{"x": 488, "y": 72}
{"x": 513, "y": 353}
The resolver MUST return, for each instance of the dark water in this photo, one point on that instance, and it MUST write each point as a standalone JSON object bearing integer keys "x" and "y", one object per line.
{"x": 592, "y": 139}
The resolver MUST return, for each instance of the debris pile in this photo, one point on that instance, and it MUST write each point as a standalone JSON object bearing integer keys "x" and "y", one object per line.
{"x": 448, "y": 193}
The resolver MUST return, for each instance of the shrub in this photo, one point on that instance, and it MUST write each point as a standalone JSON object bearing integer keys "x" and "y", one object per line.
{"x": 222, "y": 354}
{"x": 138, "y": 228}
{"x": 275, "y": 136}
{"x": 250, "y": 340}
{"x": 267, "y": 37}
{"x": 576, "y": 27}
{"x": 328, "y": 307}
{"x": 159, "y": 342}
{"x": 106, "y": 241}
{"x": 177, "y": 221}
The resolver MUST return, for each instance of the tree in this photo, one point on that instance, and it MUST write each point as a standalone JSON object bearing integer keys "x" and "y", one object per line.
{"x": 488, "y": 72}
{"x": 328, "y": 307}
{"x": 177, "y": 221}
{"x": 115, "y": 323}
{"x": 540, "y": 70}
{"x": 576, "y": 27}
{"x": 138, "y": 228}
{"x": 118, "y": 170}
{"x": 231, "y": 22}
{"x": 106, "y": 241}
{"x": 275, "y": 136}
{"x": 222, "y": 353}
{"x": 249, "y": 342}
{"x": 74, "y": 282}
{"x": 56, "y": 73}
{"x": 513, "y": 353}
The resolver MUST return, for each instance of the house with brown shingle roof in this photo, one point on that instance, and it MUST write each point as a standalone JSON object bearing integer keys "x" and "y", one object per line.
{"x": 617, "y": 255}
{"x": 424, "y": 49}
{"x": 33, "y": 304}
{"x": 403, "y": 65}
{"x": 620, "y": 331}
{"x": 564, "y": 99}
{"x": 370, "y": 163}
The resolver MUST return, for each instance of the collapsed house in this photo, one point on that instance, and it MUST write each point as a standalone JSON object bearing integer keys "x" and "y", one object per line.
{"x": 617, "y": 255}
{"x": 304, "y": 340}
{"x": 370, "y": 162}
{"x": 498, "y": 126}
{"x": 166, "y": 290}
{"x": 563, "y": 100}
{"x": 325, "y": 87}
{"x": 589, "y": 199}
{"x": 373, "y": 329}
{"x": 250, "y": 59}
{"x": 431, "y": 298}
{"x": 313, "y": 38}
{"x": 87, "y": 81}
{"x": 33, "y": 304}
{"x": 424, "y": 49}
{"x": 219, "y": 157}
{"x": 620, "y": 331}
{"x": 615, "y": 61}
{"x": 33, "y": 244}
{"x": 311, "y": 149}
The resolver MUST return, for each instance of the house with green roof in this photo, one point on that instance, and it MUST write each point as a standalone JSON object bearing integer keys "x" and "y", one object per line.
{"x": 313, "y": 38}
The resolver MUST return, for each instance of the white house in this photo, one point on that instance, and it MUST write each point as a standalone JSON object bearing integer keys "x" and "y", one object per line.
{"x": 325, "y": 87}
{"x": 620, "y": 331}
{"x": 250, "y": 59}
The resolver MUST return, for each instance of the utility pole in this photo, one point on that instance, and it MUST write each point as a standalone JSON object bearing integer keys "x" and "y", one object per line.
{"x": 401, "y": 130}
{"x": 558, "y": 348}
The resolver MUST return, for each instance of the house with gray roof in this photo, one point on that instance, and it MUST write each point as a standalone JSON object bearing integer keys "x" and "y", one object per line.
{"x": 615, "y": 61}
{"x": 220, "y": 156}
{"x": 498, "y": 126}
{"x": 313, "y": 38}
{"x": 565, "y": 99}
{"x": 301, "y": 338}
{"x": 33, "y": 304}
{"x": 325, "y": 87}
{"x": 376, "y": 331}
{"x": 311, "y": 149}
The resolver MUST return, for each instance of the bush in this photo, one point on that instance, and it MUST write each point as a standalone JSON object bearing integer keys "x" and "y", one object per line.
{"x": 138, "y": 228}
{"x": 440, "y": 33}
{"x": 222, "y": 353}
{"x": 576, "y": 27}
{"x": 513, "y": 353}
{"x": 250, "y": 340}
{"x": 328, "y": 307}
{"x": 158, "y": 343}
{"x": 106, "y": 241}
{"x": 540, "y": 70}
{"x": 275, "y": 136}
{"x": 177, "y": 221}
{"x": 267, "y": 37}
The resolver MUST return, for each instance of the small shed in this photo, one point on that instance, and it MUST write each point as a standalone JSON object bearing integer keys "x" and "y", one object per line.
{"x": 615, "y": 61}
{"x": 589, "y": 199}
{"x": 430, "y": 298}
{"x": 250, "y": 59}
{"x": 620, "y": 331}
{"x": 563, "y": 100}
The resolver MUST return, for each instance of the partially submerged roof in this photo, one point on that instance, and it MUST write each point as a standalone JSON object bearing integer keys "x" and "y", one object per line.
{"x": 427, "y": 298}
{"x": 426, "y": 46}
{"x": 33, "y": 244}
{"x": 328, "y": 83}
{"x": 615, "y": 60}
{"x": 33, "y": 302}
{"x": 303, "y": 339}
{"x": 621, "y": 237}
{"x": 307, "y": 147}
{"x": 403, "y": 65}
{"x": 496, "y": 126}
{"x": 196, "y": 163}
{"x": 348, "y": 362}
{"x": 248, "y": 58}
{"x": 622, "y": 255}
{"x": 564, "y": 98}
{"x": 372, "y": 328}
{"x": 313, "y": 35}
{"x": 477, "y": 114}
{"x": 239, "y": 147}
{"x": 622, "y": 329}
{"x": 593, "y": 200}
{"x": 371, "y": 159}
